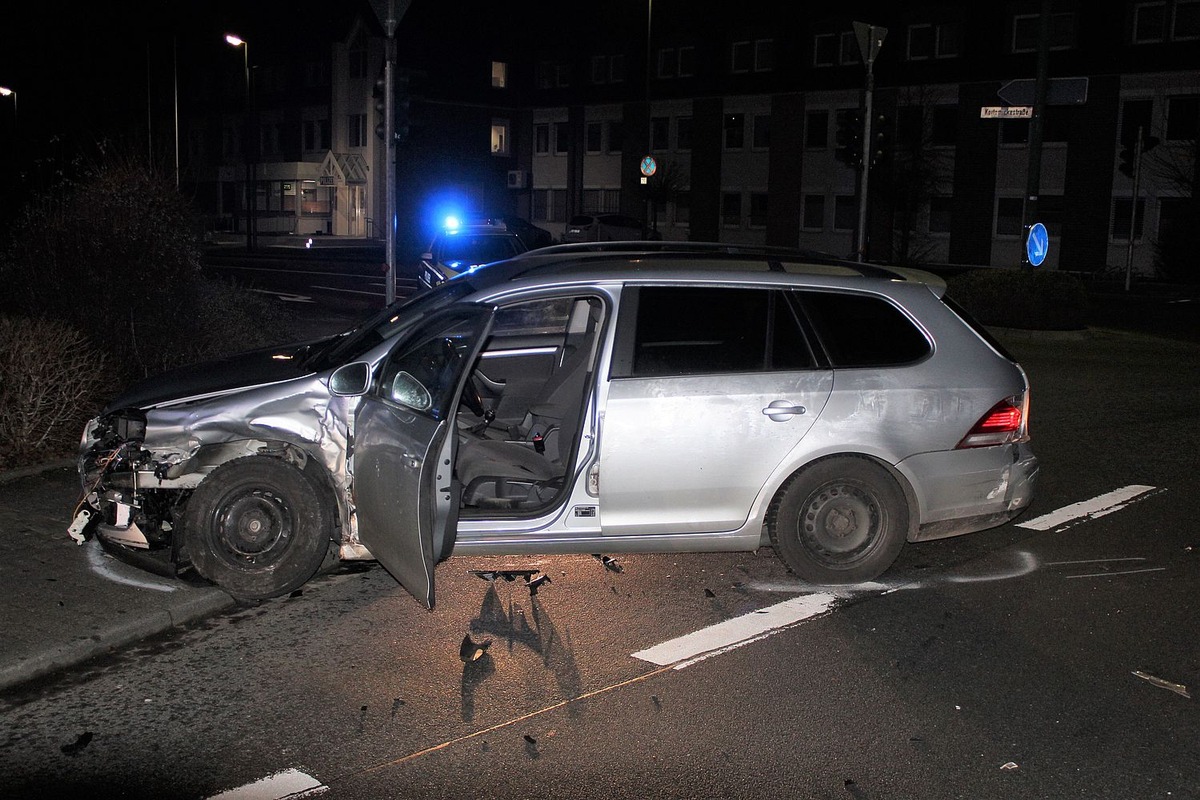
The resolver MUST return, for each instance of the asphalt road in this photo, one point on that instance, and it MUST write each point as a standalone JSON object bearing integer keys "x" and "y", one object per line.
{"x": 1039, "y": 662}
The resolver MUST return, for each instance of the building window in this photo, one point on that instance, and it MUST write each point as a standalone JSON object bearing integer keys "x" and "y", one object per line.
{"x": 758, "y": 209}
{"x": 813, "y": 212}
{"x": 660, "y": 133}
{"x": 1120, "y": 220}
{"x": 1185, "y": 25}
{"x": 816, "y": 128}
{"x": 1026, "y": 31}
{"x": 316, "y": 134}
{"x": 1149, "y": 22}
{"x": 740, "y": 57}
{"x": 668, "y": 62}
{"x": 927, "y": 40}
{"x": 595, "y": 137}
{"x": 553, "y": 75}
{"x": 1183, "y": 118}
{"x": 848, "y": 50}
{"x": 764, "y": 55}
{"x": 541, "y": 138}
{"x": 562, "y": 137}
{"x": 550, "y": 205}
{"x": 683, "y": 133}
{"x": 845, "y": 212}
{"x": 316, "y": 73}
{"x": 358, "y": 59}
{"x": 599, "y": 69}
{"x": 356, "y": 127}
{"x": 499, "y": 137}
{"x": 825, "y": 49}
{"x": 762, "y": 131}
{"x": 735, "y": 131}
{"x": 731, "y": 209}
{"x": 1008, "y": 216}
{"x": 939, "y": 213}
{"x": 601, "y": 201}
{"x": 499, "y": 74}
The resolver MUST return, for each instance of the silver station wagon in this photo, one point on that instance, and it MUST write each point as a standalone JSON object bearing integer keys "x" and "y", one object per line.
{"x": 633, "y": 397}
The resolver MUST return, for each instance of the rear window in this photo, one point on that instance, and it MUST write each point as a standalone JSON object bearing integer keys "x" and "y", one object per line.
{"x": 473, "y": 249}
{"x": 712, "y": 330}
{"x": 582, "y": 221}
{"x": 863, "y": 330}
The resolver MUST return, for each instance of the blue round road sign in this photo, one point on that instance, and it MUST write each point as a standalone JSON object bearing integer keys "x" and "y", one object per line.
{"x": 1037, "y": 245}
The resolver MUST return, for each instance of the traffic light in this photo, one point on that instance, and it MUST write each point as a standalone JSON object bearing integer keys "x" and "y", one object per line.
{"x": 378, "y": 93}
{"x": 401, "y": 106}
{"x": 849, "y": 136}
{"x": 879, "y": 140}
{"x": 1127, "y": 158}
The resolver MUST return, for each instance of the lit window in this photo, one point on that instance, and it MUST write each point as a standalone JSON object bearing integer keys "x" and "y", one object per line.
{"x": 499, "y": 137}
{"x": 499, "y": 74}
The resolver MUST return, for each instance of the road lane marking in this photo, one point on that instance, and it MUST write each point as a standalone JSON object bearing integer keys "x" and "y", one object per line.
{"x": 1112, "y": 574}
{"x": 287, "y": 784}
{"x": 722, "y": 637}
{"x": 1085, "y": 510}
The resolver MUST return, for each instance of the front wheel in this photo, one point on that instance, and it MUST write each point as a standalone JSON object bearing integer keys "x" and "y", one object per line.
{"x": 841, "y": 520}
{"x": 257, "y": 527}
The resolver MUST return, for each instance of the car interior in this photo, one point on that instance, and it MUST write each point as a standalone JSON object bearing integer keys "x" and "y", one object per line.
{"x": 524, "y": 401}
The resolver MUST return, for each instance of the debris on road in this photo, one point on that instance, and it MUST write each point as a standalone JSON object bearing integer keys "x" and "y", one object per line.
{"x": 609, "y": 562}
{"x": 470, "y": 650}
{"x": 1009, "y": 765}
{"x": 80, "y": 742}
{"x": 536, "y": 584}
{"x": 1177, "y": 688}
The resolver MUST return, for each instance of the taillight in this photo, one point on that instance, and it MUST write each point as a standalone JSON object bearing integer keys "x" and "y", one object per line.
{"x": 1006, "y": 422}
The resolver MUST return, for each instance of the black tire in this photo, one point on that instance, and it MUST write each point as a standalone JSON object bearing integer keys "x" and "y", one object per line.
{"x": 840, "y": 520}
{"x": 257, "y": 527}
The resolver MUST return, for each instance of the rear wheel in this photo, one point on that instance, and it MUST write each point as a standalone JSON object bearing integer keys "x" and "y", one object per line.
{"x": 257, "y": 527}
{"x": 841, "y": 520}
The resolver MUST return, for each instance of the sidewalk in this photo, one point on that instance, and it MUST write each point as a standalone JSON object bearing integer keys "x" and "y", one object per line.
{"x": 65, "y": 603}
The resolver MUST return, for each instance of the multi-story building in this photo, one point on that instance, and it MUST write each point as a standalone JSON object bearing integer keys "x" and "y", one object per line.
{"x": 742, "y": 107}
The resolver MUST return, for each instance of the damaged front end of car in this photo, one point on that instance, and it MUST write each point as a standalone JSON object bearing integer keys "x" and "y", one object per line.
{"x": 140, "y": 468}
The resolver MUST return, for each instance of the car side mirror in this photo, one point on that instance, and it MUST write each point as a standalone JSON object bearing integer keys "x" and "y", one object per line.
{"x": 350, "y": 380}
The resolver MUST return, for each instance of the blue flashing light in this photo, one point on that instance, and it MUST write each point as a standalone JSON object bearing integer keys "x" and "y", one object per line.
{"x": 451, "y": 223}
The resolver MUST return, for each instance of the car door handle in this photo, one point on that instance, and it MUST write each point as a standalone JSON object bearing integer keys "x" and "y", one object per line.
{"x": 782, "y": 410}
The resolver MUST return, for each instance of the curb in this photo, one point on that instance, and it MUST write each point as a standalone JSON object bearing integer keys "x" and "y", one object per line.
{"x": 9, "y": 475}
{"x": 193, "y": 607}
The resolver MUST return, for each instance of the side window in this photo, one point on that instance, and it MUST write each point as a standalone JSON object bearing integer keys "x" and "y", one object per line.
{"x": 714, "y": 330}
{"x": 423, "y": 372}
{"x": 864, "y": 331}
{"x": 533, "y": 317}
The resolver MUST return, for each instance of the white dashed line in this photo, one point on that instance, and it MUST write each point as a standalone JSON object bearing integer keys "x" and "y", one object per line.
{"x": 724, "y": 636}
{"x": 1084, "y": 510}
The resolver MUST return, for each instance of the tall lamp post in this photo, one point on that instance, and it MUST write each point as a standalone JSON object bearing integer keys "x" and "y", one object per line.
{"x": 250, "y": 146}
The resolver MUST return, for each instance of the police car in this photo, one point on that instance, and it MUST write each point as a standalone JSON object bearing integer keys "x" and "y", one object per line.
{"x": 461, "y": 247}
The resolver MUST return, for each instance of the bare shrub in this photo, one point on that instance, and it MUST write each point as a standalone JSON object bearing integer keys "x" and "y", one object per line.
{"x": 50, "y": 376}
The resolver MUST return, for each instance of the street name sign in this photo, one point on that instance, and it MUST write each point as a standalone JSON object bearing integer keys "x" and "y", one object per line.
{"x": 1006, "y": 112}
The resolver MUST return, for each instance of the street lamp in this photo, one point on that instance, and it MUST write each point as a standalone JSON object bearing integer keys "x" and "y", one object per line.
{"x": 7, "y": 92}
{"x": 251, "y": 161}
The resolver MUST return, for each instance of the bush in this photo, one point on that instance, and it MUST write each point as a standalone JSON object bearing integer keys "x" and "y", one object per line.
{"x": 50, "y": 378}
{"x": 115, "y": 256}
{"x": 1031, "y": 299}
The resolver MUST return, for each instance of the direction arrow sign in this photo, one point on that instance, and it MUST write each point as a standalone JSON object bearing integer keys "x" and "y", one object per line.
{"x": 1059, "y": 91}
{"x": 1038, "y": 244}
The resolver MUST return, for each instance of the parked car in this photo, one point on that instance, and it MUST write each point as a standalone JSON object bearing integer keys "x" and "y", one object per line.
{"x": 605, "y": 228}
{"x": 459, "y": 248}
{"x": 562, "y": 401}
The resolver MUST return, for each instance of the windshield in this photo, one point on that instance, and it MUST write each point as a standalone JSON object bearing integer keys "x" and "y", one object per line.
{"x": 356, "y": 342}
{"x": 469, "y": 250}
